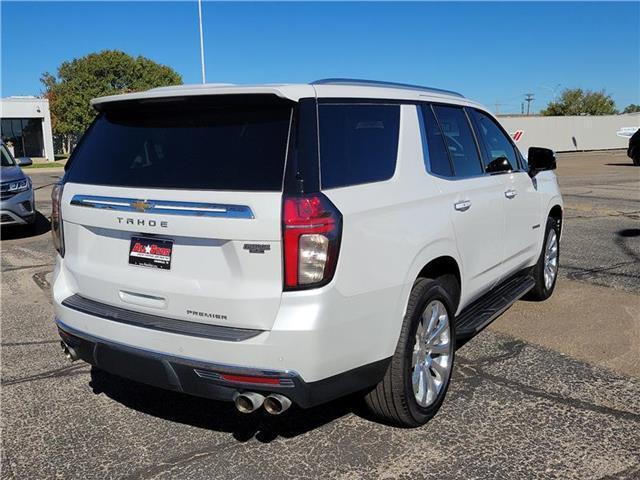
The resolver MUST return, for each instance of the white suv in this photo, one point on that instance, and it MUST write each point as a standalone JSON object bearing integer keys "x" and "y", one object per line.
{"x": 282, "y": 244}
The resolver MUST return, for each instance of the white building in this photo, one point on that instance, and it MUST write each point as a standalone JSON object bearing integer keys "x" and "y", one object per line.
{"x": 569, "y": 134}
{"x": 25, "y": 126}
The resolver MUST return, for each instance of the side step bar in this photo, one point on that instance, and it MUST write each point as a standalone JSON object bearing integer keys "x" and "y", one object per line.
{"x": 490, "y": 306}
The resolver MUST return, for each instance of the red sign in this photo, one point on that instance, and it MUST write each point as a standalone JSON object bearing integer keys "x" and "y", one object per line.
{"x": 517, "y": 135}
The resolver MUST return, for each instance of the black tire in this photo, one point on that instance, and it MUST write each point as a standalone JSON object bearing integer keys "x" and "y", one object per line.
{"x": 393, "y": 400}
{"x": 634, "y": 154}
{"x": 540, "y": 291}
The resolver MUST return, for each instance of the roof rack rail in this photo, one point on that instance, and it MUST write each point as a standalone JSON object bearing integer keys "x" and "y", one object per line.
{"x": 376, "y": 83}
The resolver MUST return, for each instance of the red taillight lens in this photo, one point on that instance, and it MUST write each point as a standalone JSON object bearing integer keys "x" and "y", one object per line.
{"x": 56, "y": 218}
{"x": 311, "y": 230}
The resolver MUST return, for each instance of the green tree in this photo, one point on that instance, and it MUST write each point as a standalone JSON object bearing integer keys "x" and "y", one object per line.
{"x": 575, "y": 101}
{"x": 632, "y": 108}
{"x": 104, "y": 73}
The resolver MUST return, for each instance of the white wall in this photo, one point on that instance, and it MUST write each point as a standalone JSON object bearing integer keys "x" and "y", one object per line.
{"x": 564, "y": 134}
{"x": 31, "y": 107}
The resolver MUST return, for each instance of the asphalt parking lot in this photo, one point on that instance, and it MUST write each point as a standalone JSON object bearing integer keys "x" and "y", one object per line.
{"x": 549, "y": 390}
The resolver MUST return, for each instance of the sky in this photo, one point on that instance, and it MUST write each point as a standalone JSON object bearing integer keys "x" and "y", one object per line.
{"x": 491, "y": 52}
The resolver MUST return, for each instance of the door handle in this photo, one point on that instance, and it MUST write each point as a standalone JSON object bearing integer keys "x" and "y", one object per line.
{"x": 510, "y": 194}
{"x": 462, "y": 206}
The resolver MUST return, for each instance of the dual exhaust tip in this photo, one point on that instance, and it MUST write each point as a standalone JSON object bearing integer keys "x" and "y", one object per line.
{"x": 249, "y": 402}
{"x": 69, "y": 352}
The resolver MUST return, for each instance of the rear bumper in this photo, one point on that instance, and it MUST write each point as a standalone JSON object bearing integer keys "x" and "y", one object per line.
{"x": 330, "y": 344}
{"x": 212, "y": 380}
{"x": 317, "y": 333}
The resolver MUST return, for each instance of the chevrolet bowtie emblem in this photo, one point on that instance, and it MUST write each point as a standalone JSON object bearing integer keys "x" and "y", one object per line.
{"x": 141, "y": 205}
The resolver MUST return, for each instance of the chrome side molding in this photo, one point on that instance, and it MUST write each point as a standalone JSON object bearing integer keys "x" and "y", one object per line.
{"x": 164, "y": 207}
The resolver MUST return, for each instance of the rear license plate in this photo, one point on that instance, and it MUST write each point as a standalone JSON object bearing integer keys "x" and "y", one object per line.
{"x": 150, "y": 252}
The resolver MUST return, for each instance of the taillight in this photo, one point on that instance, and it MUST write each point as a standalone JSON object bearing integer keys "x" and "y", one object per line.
{"x": 56, "y": 218}
{"x": 311, "y": 230}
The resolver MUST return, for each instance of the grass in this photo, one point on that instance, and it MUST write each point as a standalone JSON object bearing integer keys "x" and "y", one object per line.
{"x": 45, "y": 165}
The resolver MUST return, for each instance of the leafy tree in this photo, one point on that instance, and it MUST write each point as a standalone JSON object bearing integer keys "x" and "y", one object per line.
{"x": 632, "y": 108}
{"x": 575, "y": 101}
{"x": 105, "y": 73}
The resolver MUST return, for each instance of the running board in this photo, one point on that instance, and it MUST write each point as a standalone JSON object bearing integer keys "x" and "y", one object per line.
{"x": 490, "y": 306}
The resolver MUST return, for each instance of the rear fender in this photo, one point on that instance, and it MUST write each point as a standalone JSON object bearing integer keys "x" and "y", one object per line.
{"x": 439, "y": 248}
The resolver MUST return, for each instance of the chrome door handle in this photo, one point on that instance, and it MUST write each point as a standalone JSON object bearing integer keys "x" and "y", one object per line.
{"x": 510, "y": 194}
{"x": 462, "y": 206}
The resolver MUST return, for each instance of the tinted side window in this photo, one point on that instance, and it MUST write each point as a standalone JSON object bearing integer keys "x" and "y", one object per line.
{"x": 435, "y": 152}
{"x": 496, "y": 143}
{"x": 460, "y": 142}
{"x": 358, "y": 143}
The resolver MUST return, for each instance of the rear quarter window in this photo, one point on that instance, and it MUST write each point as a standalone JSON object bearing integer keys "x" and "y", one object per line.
{"x": 358, "y": 143}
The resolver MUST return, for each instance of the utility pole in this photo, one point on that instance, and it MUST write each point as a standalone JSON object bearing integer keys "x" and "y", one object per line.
{"x": 522, "y": 108}
{"x": 498, "y": 104}
{"x": 204, "y": 75}
{"x": 528, "y": 97}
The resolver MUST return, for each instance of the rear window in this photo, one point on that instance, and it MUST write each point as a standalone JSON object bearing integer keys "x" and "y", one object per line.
{"x": 358, "y": 143}
{"x": 198, "y": 144}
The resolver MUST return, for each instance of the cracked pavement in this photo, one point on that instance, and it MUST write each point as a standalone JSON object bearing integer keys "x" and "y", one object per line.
{"x": 549, "y": 390}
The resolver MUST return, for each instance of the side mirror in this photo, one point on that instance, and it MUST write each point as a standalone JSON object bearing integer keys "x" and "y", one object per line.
{"x": 24, "y": 161}
{"x": 540, "y": 159}
{"x": 500, "y": 164}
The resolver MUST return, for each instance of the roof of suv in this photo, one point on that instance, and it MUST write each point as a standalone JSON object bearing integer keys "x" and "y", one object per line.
{"x": 326, "y": 88}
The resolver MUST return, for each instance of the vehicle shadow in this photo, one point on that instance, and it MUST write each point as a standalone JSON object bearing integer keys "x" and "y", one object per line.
{"x": 629, "y": 232}
{"x": 215, "y": 415}
{"x": 621, "y": 241}
{"x": 11, "y": 232}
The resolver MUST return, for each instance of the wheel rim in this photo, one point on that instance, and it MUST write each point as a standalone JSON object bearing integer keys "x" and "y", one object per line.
{"x": 550, "y": 259}
{"x": 431, "y": 354}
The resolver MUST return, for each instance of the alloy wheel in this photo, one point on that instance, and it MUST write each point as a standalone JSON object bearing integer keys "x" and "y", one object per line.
{"x": 432, "y": 354}
{"x": 550, "y": 259}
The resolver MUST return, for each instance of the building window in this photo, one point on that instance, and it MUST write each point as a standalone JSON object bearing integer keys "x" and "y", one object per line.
{"x": 24, "y": 135}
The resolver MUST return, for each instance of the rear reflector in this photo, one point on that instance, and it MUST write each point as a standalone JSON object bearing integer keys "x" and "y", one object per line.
{"x": 249, "y": 379}
{"x": 311, "y": 230}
